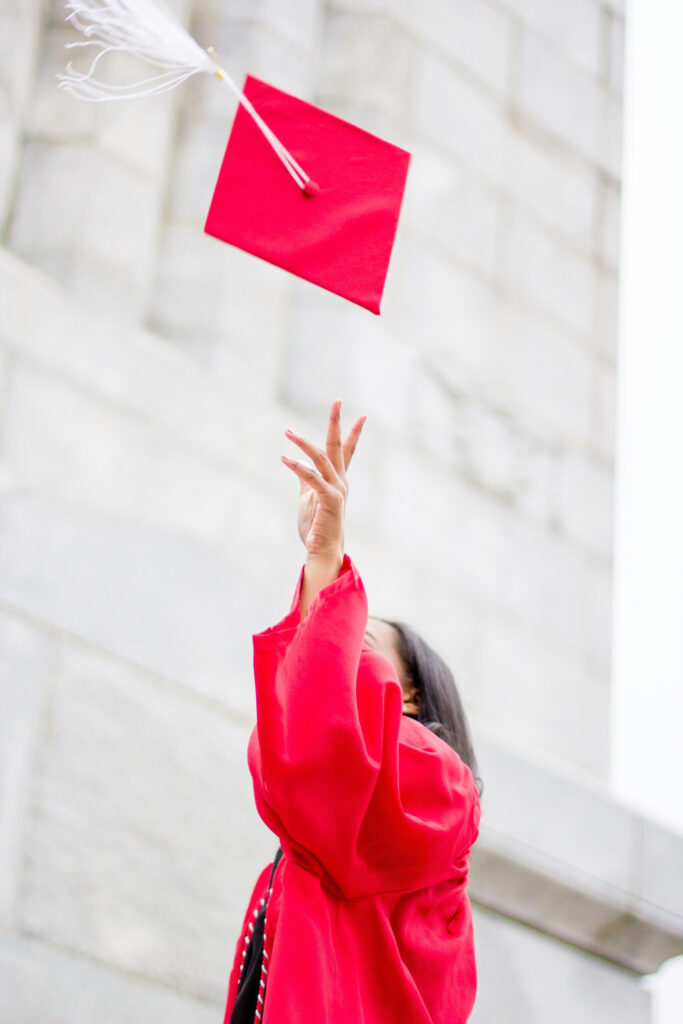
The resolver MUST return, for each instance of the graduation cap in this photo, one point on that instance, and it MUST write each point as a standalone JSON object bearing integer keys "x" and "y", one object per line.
{"x": 298, "y": 186}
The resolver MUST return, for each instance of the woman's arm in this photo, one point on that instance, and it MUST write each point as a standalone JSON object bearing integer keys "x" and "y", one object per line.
{"x": 322, "y": 502}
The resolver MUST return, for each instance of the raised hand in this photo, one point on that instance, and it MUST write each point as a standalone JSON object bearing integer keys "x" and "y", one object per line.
{"x": 324, "y": 489}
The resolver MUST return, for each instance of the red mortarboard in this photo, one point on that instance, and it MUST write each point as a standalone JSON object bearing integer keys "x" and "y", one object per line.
{"x": 341, "y": 236}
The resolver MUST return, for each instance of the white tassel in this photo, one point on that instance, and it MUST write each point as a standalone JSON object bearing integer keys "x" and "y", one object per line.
{"x": 144, "y": 28}
{"x": 149, "y": 30}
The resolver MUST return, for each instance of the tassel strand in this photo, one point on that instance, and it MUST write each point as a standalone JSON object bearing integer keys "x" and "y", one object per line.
{"x": 147, "y": 29}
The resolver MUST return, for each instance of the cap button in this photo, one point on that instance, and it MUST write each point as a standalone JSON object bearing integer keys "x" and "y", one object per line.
{"x": 311, "y": 188}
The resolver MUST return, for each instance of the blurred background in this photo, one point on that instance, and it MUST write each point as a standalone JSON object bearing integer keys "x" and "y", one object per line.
{"x": 147, "y": 525}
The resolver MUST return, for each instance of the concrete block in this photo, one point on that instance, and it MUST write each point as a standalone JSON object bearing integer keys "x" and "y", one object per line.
{"x": 557, "y": 186}
{"x": 79, "y": 451}
{"x": 9, "y": 157}
{"x": 597, "y": 622}
{"x": 553, "y": 704}
{"x": 211, "y": 296}
{"x": 568, "y": 103}
{"x": 163, "y": 600}
{"x": 350, "y": 73}
{"x": 135, "y": 133}
{"x": 661, "y": 876}
{"x": 584, "y": 501}
{"x": 476, "y": 129}
{"x": 614, "y": 134}
{"x": 449, "y": 309}
{"x": 476, "y": 36}
{"x": 603, "y": 410}
{"x": 608, "y": 314}
{"x": 20, "y": 23}
{"x": 484, "y": 445}
{"x": 451, "y": 207}
{"x": 55, "y": 16}
{"x": 92, "y": 443}
{"x": 347, "y": 354}
{"x": 77, "y": 990}
{"x": 141, "y": 372}
{"x": 88, "y": 220}
{"x": 6, "y": 361}
{"x": 516, "y": 160}
{"x": 541, "y": 374}
{"x": 145, "y": 841}
{"x": 619, "y": 6}
{"x": 510, "y": 354}
{"x": 538, "y": 268}
{"x": 134, "y": 369}
{"x": 616, "y": 54}
{"x": 571, "y": 594}
{"x": 24, "y": 667}
{"x": 520, "y": 575}
{"x": 611, "y": 927}
{"x": 561, "y": 822}
{"x": 199, "y": 147}
{"x": 609, "y": 225}
{"x": 297, "y": 21}
{"x": 573, "y": 28}
{"x": 528, "y": 978}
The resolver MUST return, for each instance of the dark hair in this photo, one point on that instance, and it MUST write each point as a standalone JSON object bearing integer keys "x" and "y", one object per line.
{"x": 439, "y": 706}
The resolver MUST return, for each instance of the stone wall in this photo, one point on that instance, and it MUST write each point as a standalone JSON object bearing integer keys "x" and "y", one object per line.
{"x": 147, "y": 527}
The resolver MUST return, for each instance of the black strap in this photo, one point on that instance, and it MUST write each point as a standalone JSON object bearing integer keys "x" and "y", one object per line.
{"x": 244, "y": 1009}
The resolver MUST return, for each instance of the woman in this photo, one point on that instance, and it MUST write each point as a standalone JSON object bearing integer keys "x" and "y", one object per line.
{"x": 363, "y": 916}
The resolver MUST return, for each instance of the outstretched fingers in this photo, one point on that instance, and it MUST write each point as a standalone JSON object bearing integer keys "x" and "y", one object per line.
{"x": 319, "y": 458}
{"x": 308, "y": 475}
{"x": 332, "y": 463}
{"x": 333, "y": 443}
{"x": 352, "y": 439}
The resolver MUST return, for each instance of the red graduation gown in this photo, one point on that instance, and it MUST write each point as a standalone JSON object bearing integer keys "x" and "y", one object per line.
{"x": 369, "y": 921}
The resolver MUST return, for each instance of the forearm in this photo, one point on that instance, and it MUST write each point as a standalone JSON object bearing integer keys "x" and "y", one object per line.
{"x": 319, "y": 570}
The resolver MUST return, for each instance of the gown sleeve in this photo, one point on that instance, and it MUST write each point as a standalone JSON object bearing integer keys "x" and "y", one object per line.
{"x": 357, "y": 793}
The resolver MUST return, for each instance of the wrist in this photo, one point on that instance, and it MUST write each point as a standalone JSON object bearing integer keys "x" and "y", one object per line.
{"x": 325, "y": 560}
{"x": 320, "y": 570}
